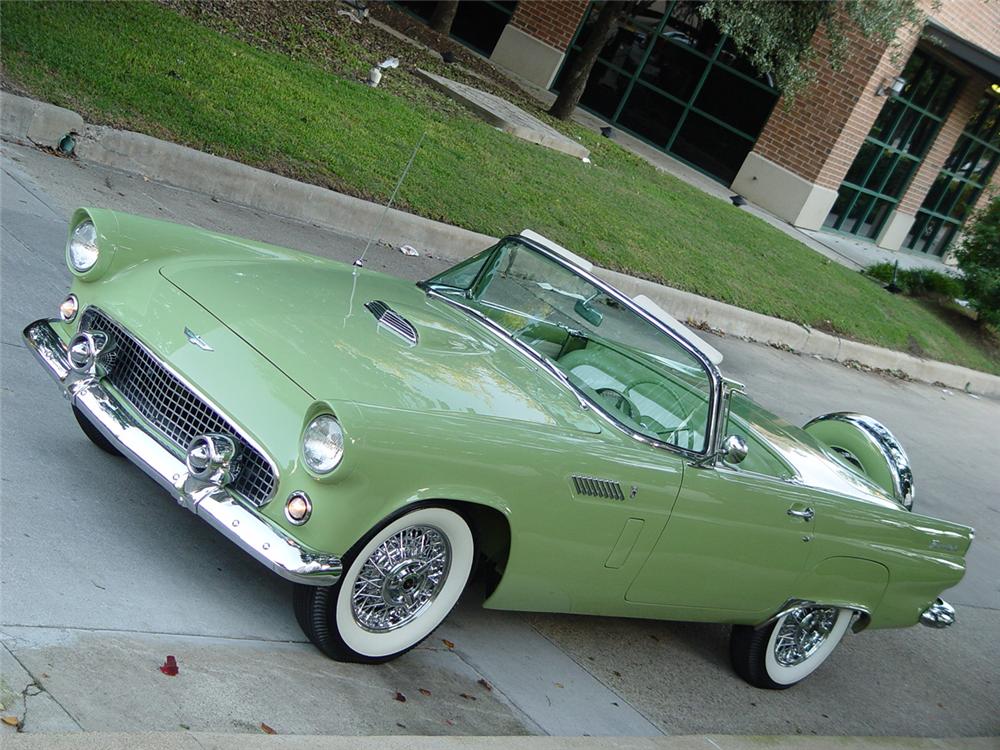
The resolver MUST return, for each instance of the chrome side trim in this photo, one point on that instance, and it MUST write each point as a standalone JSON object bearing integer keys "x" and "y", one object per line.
{"x": 255, "y": 534}
{"x": 939, "y": 615}
{"x": 887, "y": 444}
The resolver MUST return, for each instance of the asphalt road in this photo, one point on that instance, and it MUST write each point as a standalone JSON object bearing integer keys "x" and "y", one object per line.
{"x": 101, "y": 576}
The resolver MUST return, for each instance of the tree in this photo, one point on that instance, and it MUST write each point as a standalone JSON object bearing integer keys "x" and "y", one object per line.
{"x": 775, "y": 35}
{"x": 979, "y": 259}
{"x": 610, "y": 14}
{"x": 444, "y": 16}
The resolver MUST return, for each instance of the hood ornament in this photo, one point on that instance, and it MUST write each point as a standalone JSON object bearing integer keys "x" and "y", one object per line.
{"x": 197, "y": 340}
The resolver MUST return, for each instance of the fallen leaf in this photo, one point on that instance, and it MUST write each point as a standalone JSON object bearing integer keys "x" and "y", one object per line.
{"x": 449, "y": 722}
{"x": 558, "y": 684}
{"x": 485, "y": 684}
{"x": 468, "y": 697}
{"x": 266, "y": 729}
{"x": 169, "y": 667}
{"x": 11, "y": 721}
{"x": 400, "y": 697}
{"x": 424, "y": 691}
{"x": 447, "y": 643}
{"x": 401, "y": 726}
{"x": 616, "y": 673}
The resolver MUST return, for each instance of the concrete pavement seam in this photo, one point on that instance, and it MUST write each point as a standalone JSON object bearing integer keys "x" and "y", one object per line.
{"x": 35, "y": 682}
{"x": 198, "y": 171}
{"x": 659, "y": 732}
{"x": 129, "y": 631}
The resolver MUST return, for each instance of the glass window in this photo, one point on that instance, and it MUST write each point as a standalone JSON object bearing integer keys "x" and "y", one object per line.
{"x": 604, "y": 90}
{"x": 672, "y": 68}
{"x": 894, "y": 148}
{"x": 728, "y": 97}
{"x": 624, "y": 365}
{"x": 964, "y": 175}
{"x": 668, "y": 65}
{"x": 711, "y": 146}
{"x": 651, "y": 115}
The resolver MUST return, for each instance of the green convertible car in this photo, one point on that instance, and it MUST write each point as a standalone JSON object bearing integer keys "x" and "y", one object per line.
{"x": 377, "y": 441}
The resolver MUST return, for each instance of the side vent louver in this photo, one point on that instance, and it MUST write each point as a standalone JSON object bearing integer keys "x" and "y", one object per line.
{"x": 392, "y": 320}
{"x": 598, "y": 487}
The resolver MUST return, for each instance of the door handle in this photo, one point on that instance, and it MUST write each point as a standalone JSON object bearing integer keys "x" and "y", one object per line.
{"x": 805, "y": 515}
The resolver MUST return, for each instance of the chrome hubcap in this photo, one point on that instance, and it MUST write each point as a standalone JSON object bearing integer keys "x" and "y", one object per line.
{"x": 802, "y": 633}
{"x": 401, "y": 578}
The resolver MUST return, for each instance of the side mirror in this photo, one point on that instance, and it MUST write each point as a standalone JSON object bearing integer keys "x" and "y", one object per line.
{"x": 588, "y": 313}
{"x": 734, "y": 449}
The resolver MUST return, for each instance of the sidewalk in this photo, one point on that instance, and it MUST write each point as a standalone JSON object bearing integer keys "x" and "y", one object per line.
{"x": 206, "y": 741}
{"x": 36, "y": 123}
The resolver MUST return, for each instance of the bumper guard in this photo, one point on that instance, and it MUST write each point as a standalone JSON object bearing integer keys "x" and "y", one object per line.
{"x": 258, "y": 536}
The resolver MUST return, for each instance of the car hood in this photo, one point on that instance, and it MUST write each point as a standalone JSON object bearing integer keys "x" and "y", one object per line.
{"x": 308, "y": 317}
{"x": 813, "y": 465}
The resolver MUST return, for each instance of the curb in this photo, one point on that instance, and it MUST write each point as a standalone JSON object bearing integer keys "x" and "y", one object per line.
{"x": 28, "y": 121}
{"x": 200, "y": 740}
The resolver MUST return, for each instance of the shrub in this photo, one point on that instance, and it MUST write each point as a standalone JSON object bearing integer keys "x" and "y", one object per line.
{"x": 979, "y": 259}
{"x": 919, "y": 282}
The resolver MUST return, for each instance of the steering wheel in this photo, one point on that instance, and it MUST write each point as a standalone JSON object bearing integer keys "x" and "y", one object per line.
{"x": 619, "y": 401}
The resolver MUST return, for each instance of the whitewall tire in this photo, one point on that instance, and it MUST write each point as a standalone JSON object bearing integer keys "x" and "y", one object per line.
{"x": 790, "y": 649}
{"x": 396, "y": 589}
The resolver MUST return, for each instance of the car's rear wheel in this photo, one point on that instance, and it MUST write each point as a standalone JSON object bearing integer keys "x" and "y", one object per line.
{"x": 790, "y": 649}
{"x": 397, "y": 587}
{"x": 94, "y": 434}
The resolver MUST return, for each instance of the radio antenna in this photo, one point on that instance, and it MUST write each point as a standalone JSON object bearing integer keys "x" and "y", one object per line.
{"x": 360, "y": 262}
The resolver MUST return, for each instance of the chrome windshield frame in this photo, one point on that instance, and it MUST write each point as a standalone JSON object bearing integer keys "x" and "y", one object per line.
{"x": 714, "y": 428}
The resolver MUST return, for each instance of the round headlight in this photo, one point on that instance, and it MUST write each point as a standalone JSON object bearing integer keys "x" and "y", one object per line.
{"x": 323, "y": 444}
{"x": 82, "y": 251}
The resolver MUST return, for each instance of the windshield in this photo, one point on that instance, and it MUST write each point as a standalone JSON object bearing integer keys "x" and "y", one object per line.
{"x": 636, "y": 373}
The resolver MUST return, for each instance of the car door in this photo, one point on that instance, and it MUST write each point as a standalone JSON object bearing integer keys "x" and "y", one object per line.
{"x": 600, "y": 507}
{"x": 736, "y": 541}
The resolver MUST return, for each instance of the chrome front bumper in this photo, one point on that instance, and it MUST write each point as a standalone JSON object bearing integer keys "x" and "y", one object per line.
{"x": 258, "y": 536}
{"x": 939, "y": 615}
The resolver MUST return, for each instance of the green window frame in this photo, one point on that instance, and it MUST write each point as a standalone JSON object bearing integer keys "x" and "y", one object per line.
{"x": 895, "y": 147}
{"x": 634, "y": 80}
{"x": 964, "y": 176}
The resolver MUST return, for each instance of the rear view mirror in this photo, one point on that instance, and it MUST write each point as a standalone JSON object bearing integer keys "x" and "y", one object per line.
{"x": 588, "y": 313}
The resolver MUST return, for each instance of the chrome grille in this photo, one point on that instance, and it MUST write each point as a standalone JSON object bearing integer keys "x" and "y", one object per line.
{"x": 392, "y": 320}
{"x": 174, "y": 409}
{"x": 598, "y": 487}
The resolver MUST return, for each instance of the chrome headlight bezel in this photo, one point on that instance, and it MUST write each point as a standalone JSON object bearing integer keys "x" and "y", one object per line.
{"x": 82, "y": 251}
{"x": 322, "y": 444}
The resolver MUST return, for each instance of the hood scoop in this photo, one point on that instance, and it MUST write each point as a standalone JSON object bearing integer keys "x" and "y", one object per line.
{"x": 392, "y": 321}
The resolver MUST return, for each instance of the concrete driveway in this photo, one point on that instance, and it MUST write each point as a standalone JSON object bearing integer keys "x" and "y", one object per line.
{"x": 102, "y": 577}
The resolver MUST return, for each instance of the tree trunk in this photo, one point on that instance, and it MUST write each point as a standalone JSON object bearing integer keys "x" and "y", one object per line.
{"x": 575, "y": 79}
{"x": 444, "y": 16}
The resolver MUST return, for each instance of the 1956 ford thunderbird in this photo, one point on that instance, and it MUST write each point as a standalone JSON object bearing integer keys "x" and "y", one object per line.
{"x": 376, "y": 441}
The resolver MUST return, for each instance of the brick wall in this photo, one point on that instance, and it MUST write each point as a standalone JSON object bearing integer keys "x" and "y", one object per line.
{"x": 803, "y": 136}
{"x": 975, "y": 20}
{"x": 819, "y": 136}
{"x": 551, "y": 21}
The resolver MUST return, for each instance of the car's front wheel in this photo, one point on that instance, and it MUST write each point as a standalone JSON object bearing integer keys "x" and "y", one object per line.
{"x": 791, "y": 648}
{"x": 397, "y": 588}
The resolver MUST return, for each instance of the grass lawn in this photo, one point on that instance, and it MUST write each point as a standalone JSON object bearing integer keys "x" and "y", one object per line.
{"x": 286, "y": 96}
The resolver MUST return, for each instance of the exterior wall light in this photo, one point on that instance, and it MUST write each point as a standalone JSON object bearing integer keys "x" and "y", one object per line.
{"x": 996, "y": 88}
{"x": 893, "y": 87}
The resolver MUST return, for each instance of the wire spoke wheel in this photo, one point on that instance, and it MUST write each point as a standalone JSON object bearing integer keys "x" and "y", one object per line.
{"x": 802, "y": 633}
{"x": 400, "y": 578}
{"x": 399, "y": 583}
